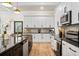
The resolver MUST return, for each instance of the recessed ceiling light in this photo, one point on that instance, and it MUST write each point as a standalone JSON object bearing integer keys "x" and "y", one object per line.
{"x": 42, "y": 8}
{"x": 14, "y": 8}
{"x": 7, "y": 4}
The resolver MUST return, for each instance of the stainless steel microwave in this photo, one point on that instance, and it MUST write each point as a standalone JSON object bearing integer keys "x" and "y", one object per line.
{"x": 66, "y": 18}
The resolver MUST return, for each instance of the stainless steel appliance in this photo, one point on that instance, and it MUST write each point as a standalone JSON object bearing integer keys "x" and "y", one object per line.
{"x": 59, "y": 48}
{"x": 58, "y": 51}
{"x": 66, "y": 18}
{"x": 72, "y": 37}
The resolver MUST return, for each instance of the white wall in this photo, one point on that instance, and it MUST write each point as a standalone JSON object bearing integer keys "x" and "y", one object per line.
{"x": 8, "y": 16}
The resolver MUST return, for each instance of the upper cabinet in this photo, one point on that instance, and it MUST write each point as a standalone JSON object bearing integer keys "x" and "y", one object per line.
{"x": 75, "y": 11}
{"x": 68, "y": 6}
{"x": 39, "y": 22}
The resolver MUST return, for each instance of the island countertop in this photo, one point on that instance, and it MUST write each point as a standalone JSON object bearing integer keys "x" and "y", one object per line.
{"x": 11, "y": 43}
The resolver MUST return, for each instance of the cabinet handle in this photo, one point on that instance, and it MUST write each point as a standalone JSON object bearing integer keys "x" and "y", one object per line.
{"x": 72, "y": 50}
{"x": 63, "y": 44}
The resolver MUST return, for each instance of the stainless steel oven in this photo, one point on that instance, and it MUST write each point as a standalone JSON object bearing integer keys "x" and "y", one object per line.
{"x": 72, "y": 37}
{"x": 66, "y": 18}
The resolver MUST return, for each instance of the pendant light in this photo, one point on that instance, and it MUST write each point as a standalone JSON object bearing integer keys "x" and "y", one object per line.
{"x": 17, "y": 10}
{"x": 7, "y": 4}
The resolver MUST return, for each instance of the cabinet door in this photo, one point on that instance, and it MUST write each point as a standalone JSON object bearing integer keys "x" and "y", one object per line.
{"x": 52, "y": 39}
{"x": 17, "y": 50}
{"x": 68, "y": 6}
{"x": 47, "y": 37}
{"x": 42, "y": 38}
{"x": 33, "y": 37}
{"x": 39, "y": 38}
{"x": 75, "y": 50}
{"x": 64, "y": 49}
{"x": 52, "y": 42}
{"x": 55, "y": 45}
{"x": 72, "y": 50}
{"x": 75, "y": 11}
{"x": 36, "y": 38}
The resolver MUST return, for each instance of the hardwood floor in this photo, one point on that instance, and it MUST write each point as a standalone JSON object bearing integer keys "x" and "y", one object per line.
{"x": 41, "y": 49}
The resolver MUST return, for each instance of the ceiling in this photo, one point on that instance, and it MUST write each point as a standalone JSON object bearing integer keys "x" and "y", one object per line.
{"x": 35, "y": 6}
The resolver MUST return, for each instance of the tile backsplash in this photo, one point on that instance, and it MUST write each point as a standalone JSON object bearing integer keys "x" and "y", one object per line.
{"x": 71, "y": 28}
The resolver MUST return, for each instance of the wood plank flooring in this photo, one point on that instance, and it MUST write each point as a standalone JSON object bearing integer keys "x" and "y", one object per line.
{"x": 41, "y": 49}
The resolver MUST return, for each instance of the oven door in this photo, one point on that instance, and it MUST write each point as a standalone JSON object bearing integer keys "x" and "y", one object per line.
{"x": 59, "y": 49}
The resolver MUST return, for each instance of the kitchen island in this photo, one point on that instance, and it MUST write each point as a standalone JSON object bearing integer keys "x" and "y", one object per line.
{"x": 17, "y": 49}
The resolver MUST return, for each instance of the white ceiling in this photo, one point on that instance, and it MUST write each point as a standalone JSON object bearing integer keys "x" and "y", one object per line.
{"x": 35, "y": 6}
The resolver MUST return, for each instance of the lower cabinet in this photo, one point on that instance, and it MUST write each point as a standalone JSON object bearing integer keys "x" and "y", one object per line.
{"x": 52, "y": 43}
{"x": 55, "y": 45}
{"x": 69, "y": 50}
{"x": 18, "y": 50}
{"x": 64, "y": 52}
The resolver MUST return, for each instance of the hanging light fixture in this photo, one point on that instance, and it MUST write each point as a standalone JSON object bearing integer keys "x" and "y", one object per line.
{"x": 17, "y": 10}
{"x": 7, "y": 4}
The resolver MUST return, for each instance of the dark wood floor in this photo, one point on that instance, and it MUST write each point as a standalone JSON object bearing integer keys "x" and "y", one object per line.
{"x": 41, "y": 49}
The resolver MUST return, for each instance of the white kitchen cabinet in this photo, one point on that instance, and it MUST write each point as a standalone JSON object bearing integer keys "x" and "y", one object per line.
{"x": 42, "y": 38}
{"x": 69, "y": 49}
{"x": 39, "y": 38}
{"x": 55, "y": 45}
{"x": 46, "y": 37}
{"x": 68, "y": 6}
{"x": 38, "y": 21}
{"x": 74, "y": 50}
{"x": 75, "y": 11}
{"x": 52, "y": 42}
{"x": 75, "y": 16}
{"x": 64, "y": 48}
{"x": 35, "y": 37}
